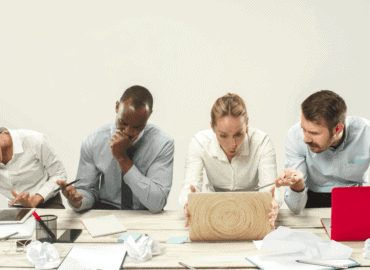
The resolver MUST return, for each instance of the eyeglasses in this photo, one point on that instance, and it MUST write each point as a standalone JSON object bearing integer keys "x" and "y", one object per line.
{"x": 17, "y": 245}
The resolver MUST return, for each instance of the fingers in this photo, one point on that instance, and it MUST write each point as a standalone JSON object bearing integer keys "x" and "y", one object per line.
{"x": 192, "y": 188}
{"x": 17, "y": 198}
{"x": 272, "y": 190}
{"x": 14, "y": 193}
{"x": 62, "y": 184}
{"x": 187, "y": 215}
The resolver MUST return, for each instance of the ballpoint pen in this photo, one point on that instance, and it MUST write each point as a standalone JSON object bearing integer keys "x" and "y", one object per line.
{"x": 187, "y": 266}
{"x": 8, "y": 236}
{"x": 59, "y": 189}
{"x": 258, "y": 188}
{"x": 323, "y": 264}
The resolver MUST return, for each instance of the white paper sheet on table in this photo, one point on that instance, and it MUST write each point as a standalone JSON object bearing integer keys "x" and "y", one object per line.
{"x": 287, "y": 261}
{"x": 25, "y": 230}
{"x": 284, "y": 239}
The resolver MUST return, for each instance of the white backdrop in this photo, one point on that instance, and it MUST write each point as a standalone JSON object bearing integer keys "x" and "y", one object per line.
{"x": 64, "y": 64}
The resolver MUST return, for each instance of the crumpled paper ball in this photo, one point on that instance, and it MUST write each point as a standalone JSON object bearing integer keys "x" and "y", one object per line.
{"x": 144, "y": 248}
{"x": 43, "y": 255}
{"x": 366, "y": 254}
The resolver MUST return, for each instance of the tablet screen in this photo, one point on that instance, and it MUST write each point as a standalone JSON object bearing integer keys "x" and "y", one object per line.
{"x": 13, "y": 214}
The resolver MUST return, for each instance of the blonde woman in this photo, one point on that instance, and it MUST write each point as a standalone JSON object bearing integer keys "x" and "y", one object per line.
{"x": 235, "y": 157}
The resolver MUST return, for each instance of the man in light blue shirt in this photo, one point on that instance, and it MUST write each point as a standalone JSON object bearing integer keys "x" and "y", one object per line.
{"x": 325, "y": 150}
{"x": 127, "y": 164}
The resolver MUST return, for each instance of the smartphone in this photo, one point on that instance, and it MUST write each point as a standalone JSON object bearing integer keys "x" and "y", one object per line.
{"x": 69, "y": 236}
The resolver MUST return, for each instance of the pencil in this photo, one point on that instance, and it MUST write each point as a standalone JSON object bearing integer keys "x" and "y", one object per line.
{"x": 44, "y": 226}
{"x": 323, "y": 264}
{"x": 258, "y": 188}
{"x": 59, "y": 189}
{"x": 187, "y": 266}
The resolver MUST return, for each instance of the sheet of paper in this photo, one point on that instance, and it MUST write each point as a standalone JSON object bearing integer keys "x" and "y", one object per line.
{"x": 124, "y": 237}
{"x": 287, "y": 261}
{"x": 104, "y": 225}
{"x": 105, "y": 257}
{"x": 177, "y": 240}
{"x": 25, "y": 230}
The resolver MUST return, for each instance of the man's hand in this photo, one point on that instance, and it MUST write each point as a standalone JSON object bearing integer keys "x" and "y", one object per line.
{"x": 274, "y": 209}
{"x": 119, "y": 143}
{"x": 26, "y": 200}
{"x": 71, "y": 194}
{"x": 296, "y": 182}
{"x": 186, "y": 211}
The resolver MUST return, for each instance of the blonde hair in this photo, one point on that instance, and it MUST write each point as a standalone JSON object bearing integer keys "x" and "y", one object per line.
{"x": 229, "y": 104}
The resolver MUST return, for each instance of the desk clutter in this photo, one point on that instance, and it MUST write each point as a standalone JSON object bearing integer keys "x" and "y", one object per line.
{"x": 292, "y": 248}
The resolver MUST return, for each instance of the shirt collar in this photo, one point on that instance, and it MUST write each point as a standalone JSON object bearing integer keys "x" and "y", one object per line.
{"x": 17, "y": 143}
{"x": 216, "y": 150}
{"x": 114, "y": 128}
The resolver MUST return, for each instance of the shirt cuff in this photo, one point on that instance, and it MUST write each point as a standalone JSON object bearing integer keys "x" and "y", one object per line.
{"x": 46, "y": 193}
{"x": 133, "y": 174}
{"x": 296, "y": 200}
{"x": 87, "y": 201}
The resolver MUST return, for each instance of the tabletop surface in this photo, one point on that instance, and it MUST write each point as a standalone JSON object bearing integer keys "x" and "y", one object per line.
{"x": 202, "y": 255}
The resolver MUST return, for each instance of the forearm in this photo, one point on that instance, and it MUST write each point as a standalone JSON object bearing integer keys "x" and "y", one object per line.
{"x": 48, "y": 188}
{"x": 150, "y": 193}
{"x": 296, "y": 201}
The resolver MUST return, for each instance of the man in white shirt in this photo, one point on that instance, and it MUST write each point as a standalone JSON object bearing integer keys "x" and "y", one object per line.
{"x": 29, "y": 169}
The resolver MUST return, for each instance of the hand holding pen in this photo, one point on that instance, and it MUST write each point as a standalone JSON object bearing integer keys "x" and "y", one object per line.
{"x": 71, "y": 194}
{"x": 292, "y": 178}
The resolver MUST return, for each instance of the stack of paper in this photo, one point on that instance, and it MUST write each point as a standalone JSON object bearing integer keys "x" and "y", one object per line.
{"x": 25, "y": 230}
{"x": 105, "y": 225}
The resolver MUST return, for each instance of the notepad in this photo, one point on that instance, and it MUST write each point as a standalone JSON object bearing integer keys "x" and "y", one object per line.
{"x": 107, "y": 257}
{"x": 287, "y": 261}
{"x": 25, "y": 230}
{"x": 105, "y": 225}
{"x": 124, "y": 237}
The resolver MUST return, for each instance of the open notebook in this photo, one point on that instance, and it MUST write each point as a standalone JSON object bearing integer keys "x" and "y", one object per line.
{"x": 24, "y": 230}
{"x": 105, "y": 225}
{"x": 287, "y": 261}
{"x": 105, "y": 257}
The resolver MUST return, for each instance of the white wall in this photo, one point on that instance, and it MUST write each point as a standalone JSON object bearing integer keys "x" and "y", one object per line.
{"x": 63, "y": 64}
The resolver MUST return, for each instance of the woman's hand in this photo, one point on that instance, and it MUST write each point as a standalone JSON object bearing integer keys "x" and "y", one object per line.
{"x": 274, "y": 209}
{"x": 186, "y": 211}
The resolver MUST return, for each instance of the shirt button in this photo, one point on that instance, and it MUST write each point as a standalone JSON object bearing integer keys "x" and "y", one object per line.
{"x": 335, "y": 168}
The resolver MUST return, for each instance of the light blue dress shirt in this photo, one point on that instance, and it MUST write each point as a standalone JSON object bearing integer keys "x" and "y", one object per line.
{"x": 150, "y": 178}
{"x": 346, "y": 165}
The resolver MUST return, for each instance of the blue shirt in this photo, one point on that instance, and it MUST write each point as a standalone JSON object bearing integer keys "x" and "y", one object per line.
{"x": 150, "y": 178}
{"x": 346, "y": 165}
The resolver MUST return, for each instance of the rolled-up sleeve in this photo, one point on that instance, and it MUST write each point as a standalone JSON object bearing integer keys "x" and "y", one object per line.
{"x": 267, "y": 172}
{"x": 89, "y": 175}
{"x": 153, "y": 189}
{"x": 295, "y": 158}
{"x": 52, "y": 164}
{"x": 193, "y": 170}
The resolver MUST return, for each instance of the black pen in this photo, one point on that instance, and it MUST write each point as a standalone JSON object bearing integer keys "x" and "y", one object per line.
{"x": 59, "y": 189}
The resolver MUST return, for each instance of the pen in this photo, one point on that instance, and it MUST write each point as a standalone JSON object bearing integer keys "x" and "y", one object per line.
{"x": 59, "y": 189}
{"x": 44, "y": 226}
{"x": 258, "y": 188}
{"x": 187, "y": 266}
{"x": 323, "y": 264}
{"x": 8, "y": 236}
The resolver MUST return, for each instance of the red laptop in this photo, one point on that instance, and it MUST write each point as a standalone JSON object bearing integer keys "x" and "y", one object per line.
{"x": 350, "y": 214}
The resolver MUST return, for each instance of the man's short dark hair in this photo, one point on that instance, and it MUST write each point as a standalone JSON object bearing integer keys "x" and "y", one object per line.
{"x": 140, "y": 96}
{"x": 325, "y": 105}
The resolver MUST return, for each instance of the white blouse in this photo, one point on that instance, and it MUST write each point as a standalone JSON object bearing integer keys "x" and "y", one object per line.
{"x": 254, "y": 165}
